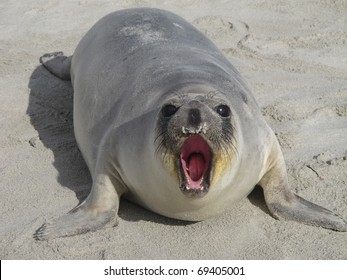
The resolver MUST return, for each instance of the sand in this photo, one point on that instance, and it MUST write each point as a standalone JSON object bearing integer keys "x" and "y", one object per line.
{"x": 293, "y": 55}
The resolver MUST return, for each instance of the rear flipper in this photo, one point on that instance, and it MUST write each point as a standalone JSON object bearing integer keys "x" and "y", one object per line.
{"x": 58, "y": 64}
{"x": 283, "y": 204}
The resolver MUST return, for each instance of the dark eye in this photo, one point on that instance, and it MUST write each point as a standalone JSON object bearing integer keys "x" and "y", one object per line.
{"x": 169, "y": 110}
{"x": 223, "y": 111}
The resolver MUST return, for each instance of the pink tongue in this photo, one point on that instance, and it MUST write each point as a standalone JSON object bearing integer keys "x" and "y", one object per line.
{"x": 196, "y": 166}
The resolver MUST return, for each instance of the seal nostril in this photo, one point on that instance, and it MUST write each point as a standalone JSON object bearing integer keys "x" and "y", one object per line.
{"x": 194, "y": 117}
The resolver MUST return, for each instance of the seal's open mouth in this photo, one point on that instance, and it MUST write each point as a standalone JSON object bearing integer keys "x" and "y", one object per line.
{"x": 195, "y": 166}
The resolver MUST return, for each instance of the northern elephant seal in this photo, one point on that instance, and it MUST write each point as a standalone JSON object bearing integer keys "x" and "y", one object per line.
{"x": 162, "y": 117}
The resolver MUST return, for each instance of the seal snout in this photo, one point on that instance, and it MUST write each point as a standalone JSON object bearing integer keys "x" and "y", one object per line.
{"x": 194, "y": 117}
{"x": 194, "y": 124}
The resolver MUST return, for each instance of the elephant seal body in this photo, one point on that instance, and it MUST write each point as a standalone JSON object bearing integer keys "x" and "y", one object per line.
{"x": 163, "y": 118}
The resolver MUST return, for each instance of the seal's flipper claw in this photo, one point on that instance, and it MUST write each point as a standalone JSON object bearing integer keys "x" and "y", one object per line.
{"x": 58, "y": 64}
{"x": 77, "y": 221}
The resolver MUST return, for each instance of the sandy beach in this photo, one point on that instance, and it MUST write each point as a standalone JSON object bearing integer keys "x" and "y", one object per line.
{"x": 292, "y": 54}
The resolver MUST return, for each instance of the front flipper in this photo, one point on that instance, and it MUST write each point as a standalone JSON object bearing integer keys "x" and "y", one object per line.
{"x": 77, "y": 221}
{"x": 100, "y": 208}
{"x": 283, "y": 204}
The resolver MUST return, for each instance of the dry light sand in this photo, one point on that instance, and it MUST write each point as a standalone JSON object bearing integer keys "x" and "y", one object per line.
{"x": 293, "y": 55}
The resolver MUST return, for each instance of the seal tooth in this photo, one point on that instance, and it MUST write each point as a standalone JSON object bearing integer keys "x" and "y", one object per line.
{"x": 201, "y": 187}
{"x": 204, "y": 128}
